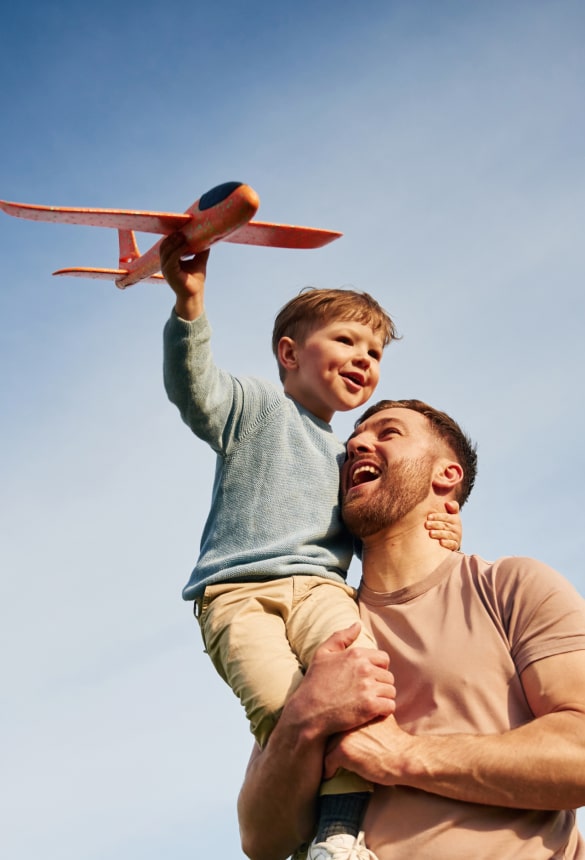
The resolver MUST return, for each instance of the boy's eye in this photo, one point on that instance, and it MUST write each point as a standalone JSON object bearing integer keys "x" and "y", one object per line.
{"x": 375, "y": 354}
{"x": 342, "y": 338}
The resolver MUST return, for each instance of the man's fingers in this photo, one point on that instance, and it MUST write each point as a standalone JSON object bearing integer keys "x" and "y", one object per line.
{"x": 342, "y": 639}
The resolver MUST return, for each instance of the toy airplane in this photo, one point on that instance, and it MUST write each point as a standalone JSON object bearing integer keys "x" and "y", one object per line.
{"x": 223, "y": 213}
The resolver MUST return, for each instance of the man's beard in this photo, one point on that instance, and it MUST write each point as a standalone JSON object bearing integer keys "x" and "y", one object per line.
{"x": 398, "y": 490}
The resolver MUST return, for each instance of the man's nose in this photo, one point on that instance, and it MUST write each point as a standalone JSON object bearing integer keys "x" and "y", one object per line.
{"x": 358, "y": 444}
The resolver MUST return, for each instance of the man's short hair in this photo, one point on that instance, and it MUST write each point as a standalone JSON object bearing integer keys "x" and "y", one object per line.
{"x": 313, "y": 308}
{"x": 443, "y": 426}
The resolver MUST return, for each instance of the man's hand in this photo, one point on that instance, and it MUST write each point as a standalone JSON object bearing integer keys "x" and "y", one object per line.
{"x": 185, "y": 277}
{"x": 373, "y": 751}
{"x": 345, "y": 687}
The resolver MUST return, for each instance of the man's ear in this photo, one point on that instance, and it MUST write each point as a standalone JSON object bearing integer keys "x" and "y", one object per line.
{"x": 447, "y": 475}
{"x": 287, "y": 353}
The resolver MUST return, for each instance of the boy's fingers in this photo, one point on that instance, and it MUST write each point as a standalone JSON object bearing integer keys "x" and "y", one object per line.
{"x": 170, "y": 246}
{"x": 173, "y": 239}
{"x": 198, "y": 264}
{"x": 449, "y": 543}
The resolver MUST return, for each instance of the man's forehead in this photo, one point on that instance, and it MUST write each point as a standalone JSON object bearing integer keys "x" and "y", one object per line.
{"x": 400, "y": 416}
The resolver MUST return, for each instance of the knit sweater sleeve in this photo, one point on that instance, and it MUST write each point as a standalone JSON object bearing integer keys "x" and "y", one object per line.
{"x": 217, "y": 406}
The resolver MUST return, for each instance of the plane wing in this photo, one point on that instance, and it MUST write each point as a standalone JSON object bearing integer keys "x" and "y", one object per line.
{"x": 164, "y": 223}
{"x": 119, "y": 219}
{"x": 281, "y": 235}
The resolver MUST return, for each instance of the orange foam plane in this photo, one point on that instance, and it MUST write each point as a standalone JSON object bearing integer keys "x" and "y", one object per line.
{"x": 222, "y": 214}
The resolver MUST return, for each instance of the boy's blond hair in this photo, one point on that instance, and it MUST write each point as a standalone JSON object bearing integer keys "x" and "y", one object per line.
{"x": 313, "y": 308}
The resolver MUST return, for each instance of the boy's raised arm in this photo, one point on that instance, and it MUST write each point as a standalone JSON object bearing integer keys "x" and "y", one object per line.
{"x": 185, "y": 277}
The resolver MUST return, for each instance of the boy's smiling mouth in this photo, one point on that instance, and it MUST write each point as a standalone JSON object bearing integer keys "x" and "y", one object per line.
{"x": 355, "y": 378}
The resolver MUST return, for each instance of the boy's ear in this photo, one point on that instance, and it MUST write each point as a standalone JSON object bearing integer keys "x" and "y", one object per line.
{"x": 447, "y": 475}
{"x": 287, "y": 353}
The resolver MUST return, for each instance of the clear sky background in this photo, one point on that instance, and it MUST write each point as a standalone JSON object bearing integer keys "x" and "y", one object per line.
{"x": 446, "y": 140}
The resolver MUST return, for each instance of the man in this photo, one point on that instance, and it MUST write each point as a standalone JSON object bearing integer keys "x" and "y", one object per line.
{"x": 485, "y": 757}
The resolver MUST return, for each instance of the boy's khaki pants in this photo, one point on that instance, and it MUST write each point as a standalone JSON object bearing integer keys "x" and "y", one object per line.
{"x": 262, "y": 635}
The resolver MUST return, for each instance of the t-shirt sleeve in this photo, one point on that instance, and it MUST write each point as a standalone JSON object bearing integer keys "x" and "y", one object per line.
{"x": 543, "y": 613}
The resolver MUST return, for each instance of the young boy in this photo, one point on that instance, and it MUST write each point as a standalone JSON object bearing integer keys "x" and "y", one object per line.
{"x": 269, "y": 585}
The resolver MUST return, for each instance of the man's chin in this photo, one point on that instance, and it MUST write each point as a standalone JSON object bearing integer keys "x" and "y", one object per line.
{"x": 355, "y": 516}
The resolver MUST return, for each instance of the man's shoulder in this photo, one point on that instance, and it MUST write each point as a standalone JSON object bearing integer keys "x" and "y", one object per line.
{"x": 513, "y": 565}
{"x": 516, "y": 566}
{"x": 524, "y": 585}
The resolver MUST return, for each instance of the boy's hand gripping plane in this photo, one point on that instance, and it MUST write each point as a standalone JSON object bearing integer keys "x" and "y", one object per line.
{"x": 223, "y": 213}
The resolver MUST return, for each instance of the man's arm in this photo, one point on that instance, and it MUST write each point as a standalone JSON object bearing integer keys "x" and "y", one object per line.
{"x": 342, "y": 689}
{"x": 540, "y": 765}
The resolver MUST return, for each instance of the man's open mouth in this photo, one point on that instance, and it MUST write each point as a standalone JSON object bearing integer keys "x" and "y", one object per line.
{"x": 363, "y": 473}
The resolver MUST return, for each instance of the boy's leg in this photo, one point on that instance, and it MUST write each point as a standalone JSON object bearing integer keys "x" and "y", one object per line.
{"x": 321, "y": 607}
{"x": 243, "y": 628}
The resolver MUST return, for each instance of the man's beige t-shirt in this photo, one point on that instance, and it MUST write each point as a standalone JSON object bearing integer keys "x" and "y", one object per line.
{"x": 458, "y": 642}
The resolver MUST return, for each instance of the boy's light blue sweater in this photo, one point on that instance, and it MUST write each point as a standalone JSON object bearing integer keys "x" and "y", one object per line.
{"x": 275, "y": 500}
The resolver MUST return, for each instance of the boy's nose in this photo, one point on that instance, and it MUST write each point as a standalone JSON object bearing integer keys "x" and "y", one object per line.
{"x": 361, "y": 359}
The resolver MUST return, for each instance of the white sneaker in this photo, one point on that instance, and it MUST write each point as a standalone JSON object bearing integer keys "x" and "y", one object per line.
{"x": 342, "y": 846}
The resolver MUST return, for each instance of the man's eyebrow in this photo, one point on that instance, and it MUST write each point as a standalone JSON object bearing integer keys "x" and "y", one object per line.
{"x": 380, "y": 423}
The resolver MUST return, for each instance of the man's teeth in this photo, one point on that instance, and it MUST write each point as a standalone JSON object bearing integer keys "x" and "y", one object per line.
{"x": 364, "y": 473}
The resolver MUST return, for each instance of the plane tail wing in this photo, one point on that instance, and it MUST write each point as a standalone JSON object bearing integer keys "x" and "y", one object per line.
{"x": 104, "y": 274}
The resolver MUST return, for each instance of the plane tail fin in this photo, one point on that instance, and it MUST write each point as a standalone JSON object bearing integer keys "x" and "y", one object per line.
{"x": 128, "y": 247}
{"x": 127, "y": 273}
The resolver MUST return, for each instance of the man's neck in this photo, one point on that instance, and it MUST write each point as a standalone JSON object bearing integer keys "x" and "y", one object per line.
{"x": 400, "y": 555}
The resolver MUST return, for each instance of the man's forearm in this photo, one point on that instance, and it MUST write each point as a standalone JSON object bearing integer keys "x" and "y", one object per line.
{"x": 342, "y": 689}
{"x": 277, "y": 803}
{"x": 540, "y": 765}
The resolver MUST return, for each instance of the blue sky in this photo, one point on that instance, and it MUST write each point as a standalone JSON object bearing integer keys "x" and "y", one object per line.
{"x": 445, "y": 139}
